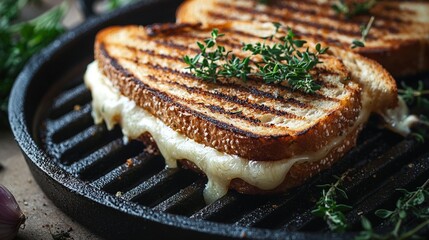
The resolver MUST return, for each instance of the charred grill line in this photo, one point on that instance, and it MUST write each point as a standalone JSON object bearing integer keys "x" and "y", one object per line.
{"x": 388, "y": 22}
{"x": 240, "y": 87}
{"x": 280, "y": 17}
{"x": 229, "y": 98}
{"x": 170, "y": 99}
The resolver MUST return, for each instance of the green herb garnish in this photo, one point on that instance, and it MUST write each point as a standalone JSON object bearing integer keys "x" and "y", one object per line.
{"x": 281, "y": 61}
{"x": 206, "y": 65}
{"x": 114, "y": 4}
{"x": 413, "y": 204}
{"x": 20, "y": 41}
{"x": 364, "y": 31}
{"x": 328, "y": 208}
{"x": 353, "y": 8}
{"x": 415, "y": 95}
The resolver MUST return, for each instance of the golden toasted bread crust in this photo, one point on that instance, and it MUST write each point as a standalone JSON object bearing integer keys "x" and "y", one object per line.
{"x": 378, "y": 85}
{"x": 407, "y": 58}
{"x": 213, "y": 132}
{"x": 399, "y": 39}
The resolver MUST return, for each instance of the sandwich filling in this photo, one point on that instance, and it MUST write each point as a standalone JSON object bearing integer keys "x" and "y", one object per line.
{"x": 220, "y": 168}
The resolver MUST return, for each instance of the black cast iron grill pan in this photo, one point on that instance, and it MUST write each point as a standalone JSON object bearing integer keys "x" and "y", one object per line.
{"x": 120, "y": 190}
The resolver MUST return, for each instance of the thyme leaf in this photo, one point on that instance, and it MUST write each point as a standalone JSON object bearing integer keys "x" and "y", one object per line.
{"x": 415, "y": 95}
{"x": 413, "y": 204}
{"x": 281, "y": 61}
{"x": 329, "y": 209}
{"x": 364, "y": 31}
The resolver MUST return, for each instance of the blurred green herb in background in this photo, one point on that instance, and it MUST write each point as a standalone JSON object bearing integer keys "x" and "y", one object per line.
{"x": 113, "y": 4}
{"x": 21, "y": 40}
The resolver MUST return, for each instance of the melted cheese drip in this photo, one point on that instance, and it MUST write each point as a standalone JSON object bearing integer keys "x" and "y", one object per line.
{"x": 109, "y": 105}
{"x": 398, "y": 119}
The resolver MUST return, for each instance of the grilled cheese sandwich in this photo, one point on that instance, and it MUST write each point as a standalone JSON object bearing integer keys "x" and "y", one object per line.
{"x": 250, "y": 136}
{"x": 398, "y": 39}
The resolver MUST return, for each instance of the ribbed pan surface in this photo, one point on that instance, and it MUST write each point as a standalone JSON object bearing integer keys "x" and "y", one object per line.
{"x": 381, "y": 163}
{"x": 121, "y": 190}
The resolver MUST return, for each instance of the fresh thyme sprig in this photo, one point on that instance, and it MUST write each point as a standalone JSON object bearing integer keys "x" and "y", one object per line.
{"x": 281, "y": 61}
{"x": 352, "y": 8}
{"x": 328, "y": 208}
{"x": 410, "y": 204}
{"x": 206, "y": 65}
{"x": 364, "y": 29}
{"x": 207, "y": 69}
{"x": 415, "y": 95}
{"x": 284, "y": 61}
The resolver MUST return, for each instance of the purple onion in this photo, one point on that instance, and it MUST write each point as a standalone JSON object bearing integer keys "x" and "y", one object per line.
{"x": 11, "y": 216}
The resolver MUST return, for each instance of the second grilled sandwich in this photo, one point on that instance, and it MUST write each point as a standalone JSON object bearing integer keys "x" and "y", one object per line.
{"x": 398, "y": 38}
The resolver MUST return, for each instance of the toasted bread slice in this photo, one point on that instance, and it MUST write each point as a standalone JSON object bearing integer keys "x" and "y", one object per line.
{"x": 398, "y": 39}
{"x": 251, "y": 136}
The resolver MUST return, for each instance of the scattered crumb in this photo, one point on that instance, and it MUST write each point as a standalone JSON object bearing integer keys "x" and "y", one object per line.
{"x": 76, "y": 107}
{"x": 118, "y": 194}
{"x": 411, "y": 165}
{"x": 62, "y": 235}
{"x": 374, "y": 176}
{"x": 360, "y": 213}
{"x": 274, "y": 206}
{"x": 129, "y": 163}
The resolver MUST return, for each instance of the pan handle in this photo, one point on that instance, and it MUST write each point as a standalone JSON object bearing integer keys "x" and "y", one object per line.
{"x": 87, "y": 7}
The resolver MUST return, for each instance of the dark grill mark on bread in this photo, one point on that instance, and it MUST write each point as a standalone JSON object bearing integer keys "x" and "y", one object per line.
{"x": 239, "y": 87}
{"x": 177, "y": 46}
{"x": 295, "y": 20}
{"x": 234, "y": 99}
{"x": 389, "y": 22}
{"x": 215, "y": 118}
{"x": 171, "y": 100}
{"x": 152, "y": 53}
{"x": 167, "y": 28}
{"x": 398, "y": 39}
{"x": 236, "y": 114}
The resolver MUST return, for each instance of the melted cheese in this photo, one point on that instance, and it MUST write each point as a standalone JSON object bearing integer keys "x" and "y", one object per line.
{"x": 398, "y": 119}
{"x": 109, "y": 105}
